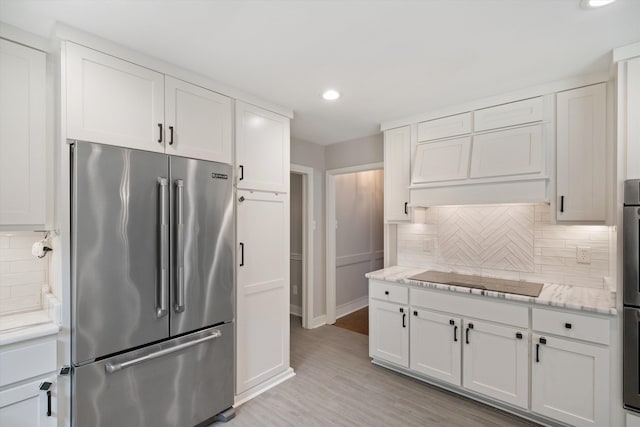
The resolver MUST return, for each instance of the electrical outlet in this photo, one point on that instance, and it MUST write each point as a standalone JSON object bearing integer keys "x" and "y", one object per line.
{"x": 294, "y": 289}
{"x": 427, "y": 246}
{"x": 583, "y": 254}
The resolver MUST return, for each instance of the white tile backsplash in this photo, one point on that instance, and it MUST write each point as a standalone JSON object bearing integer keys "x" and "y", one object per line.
{"x": 507, "y": 241}
{"x": 22, "y": 276}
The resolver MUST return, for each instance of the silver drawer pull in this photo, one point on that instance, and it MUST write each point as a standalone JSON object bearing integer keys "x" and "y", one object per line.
{"x": 111, "y": 368}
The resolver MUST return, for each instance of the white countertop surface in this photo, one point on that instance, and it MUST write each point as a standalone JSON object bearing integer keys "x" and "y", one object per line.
{"x": 25, "y": 326}
{"x": 570, "y": 297}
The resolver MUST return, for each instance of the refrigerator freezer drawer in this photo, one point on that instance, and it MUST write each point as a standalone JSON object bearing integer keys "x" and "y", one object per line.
{"x": 181, "y": 382}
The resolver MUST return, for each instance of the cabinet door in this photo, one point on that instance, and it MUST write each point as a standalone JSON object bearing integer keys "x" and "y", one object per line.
{"x": 26, "y": 406}
{"x": 22, "y": 135}
{"x": 441, "y": 161}
{"x": 263, "y": 288}
{"x": 509, "y": 152}
{"x": 495, "y": 362}
{"x": 198, "y": 122}
{"x": 262, "y": 149}
{"x": 112, "y": 101}
{"x": 570, "y": 381}
{"x": 389, "y": 332}
{"x": 581, "y": 157}
{"x": 435, "y": 345}
{"x": 397, "y": 175}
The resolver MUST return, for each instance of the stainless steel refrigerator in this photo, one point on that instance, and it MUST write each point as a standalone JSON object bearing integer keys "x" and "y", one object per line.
{"x": 152, "y": 288}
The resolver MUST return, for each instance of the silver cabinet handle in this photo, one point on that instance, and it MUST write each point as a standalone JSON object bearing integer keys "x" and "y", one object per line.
{"x": 163, "y": 237}
{"x": 111, "y": 368}
{"x": 179, "y": 302}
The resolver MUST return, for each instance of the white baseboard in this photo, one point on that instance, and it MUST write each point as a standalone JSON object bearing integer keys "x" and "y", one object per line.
{"x": 296, "y": 310}
{"x": 348, "y": 308}
{"x": 318, "y": 321}
{"x": 261, "y": 388}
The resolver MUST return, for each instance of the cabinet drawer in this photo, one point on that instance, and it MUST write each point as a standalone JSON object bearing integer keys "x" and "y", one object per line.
{"x": 385, "y": 291}
{"x": 460, "y": 124}
{"x": 571, "y": 325}
{"x": 514, "y": 113}
{"x": 476, "y": 307}
{"x": 22, "y": 361}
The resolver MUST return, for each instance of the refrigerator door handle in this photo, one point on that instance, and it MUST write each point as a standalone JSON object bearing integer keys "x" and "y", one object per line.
{"x": 115, "y": 367}
{"x": 163, "y": 231}
{"x": 179, "y": 302}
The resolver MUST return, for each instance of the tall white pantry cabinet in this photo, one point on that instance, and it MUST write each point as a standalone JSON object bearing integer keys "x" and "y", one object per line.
{"x": 262, "y": 261}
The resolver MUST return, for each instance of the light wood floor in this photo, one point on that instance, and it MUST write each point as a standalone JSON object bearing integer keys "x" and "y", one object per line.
{"x": 336, "y": 385}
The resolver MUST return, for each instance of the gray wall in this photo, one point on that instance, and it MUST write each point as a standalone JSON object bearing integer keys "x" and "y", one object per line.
{"x": 312, "y": 155}
{"x": 295, "y": 266}
{"x": 359, "y": 241}
{"x": 355, "y": 152}
{"x": 322, "y": 158}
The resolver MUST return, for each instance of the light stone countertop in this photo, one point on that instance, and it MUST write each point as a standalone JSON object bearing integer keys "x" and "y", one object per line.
{"x": 570, "y": 297}
{"x": 26, "y": 326}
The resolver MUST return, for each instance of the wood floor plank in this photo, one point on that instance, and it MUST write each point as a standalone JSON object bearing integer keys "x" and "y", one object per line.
{"x": 337, "y": 385}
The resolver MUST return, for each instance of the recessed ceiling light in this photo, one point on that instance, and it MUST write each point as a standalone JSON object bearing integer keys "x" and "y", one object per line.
{"x": 331, "y": 95}
{"x": 592, "y": 4}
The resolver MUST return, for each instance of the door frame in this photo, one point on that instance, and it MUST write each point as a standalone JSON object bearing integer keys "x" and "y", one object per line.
{"x": 330, "y": 231}
{"x": 308, "y": 227}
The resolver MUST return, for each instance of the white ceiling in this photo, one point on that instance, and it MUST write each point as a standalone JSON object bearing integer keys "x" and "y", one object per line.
{"x": 390, "y": 58}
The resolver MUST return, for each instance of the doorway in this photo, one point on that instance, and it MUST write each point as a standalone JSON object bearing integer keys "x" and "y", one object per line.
{"x": 354, "y": 235}
{"x": 301, "y": 244}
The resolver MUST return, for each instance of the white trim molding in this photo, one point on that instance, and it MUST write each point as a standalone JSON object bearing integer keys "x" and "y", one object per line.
{"x": 261, "y": 388}
{"x": 307, "y": 243}
{"x": 355, "y": 305}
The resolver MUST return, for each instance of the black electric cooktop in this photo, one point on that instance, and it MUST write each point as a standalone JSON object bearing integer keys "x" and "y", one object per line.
{"x": 517, "y": 287}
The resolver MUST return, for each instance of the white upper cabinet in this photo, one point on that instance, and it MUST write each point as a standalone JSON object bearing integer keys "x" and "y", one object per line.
{"x": 581, "y": 154}
{"x": 441, "y": 161}
{"x": 460, "y": 124}
{"x": 262, "y": 149}
{"x": 22, "y": 135}
{"x": 198, "y": 122}
{"x": 514, "y": 113}
{"x": 112, "y": 101}
{"x": 397, "y": 160}
{"x": 509, "y": 152}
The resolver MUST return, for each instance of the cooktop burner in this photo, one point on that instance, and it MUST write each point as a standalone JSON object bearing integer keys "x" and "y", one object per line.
{"x": 487, "y": 283}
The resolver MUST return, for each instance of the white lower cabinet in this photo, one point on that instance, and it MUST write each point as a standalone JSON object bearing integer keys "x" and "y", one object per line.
{"x": 486, "y": 347}
{"x": 28, "y": 406}
{"x": 389, "y": 332}
{"x": 435, "y": 348}
{"x": 495, "y": 361}
{"x": 24, "y": 367}
{"x": 570, "y": 381}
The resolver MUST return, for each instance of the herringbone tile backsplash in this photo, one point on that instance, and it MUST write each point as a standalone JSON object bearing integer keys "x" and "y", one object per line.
{"x": 508, "y": 241}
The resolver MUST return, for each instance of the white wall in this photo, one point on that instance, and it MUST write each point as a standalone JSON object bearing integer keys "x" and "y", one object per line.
{"x": 295, "y": 243}
{"x": 359, "y": 236}
{"x": 22, "y": 276}
{"x": 508, "y": 241}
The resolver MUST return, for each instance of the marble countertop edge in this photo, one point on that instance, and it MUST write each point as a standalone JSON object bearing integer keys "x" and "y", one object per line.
{"x": 552, "y": 295}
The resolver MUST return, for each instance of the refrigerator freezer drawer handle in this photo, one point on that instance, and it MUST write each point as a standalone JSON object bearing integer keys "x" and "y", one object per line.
{"x": 163, "y": 231}
{"x": 179, "y": 303}
{"x": 111, "y": 368}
